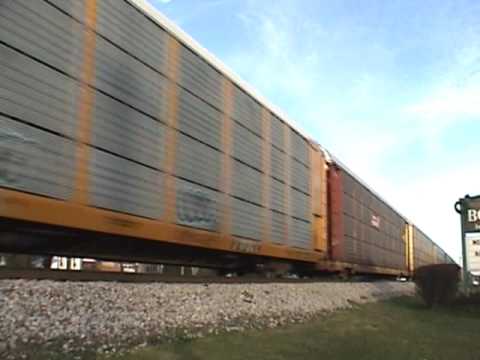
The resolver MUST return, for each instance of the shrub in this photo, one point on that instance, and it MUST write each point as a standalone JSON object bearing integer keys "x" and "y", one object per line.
{"x": 437, "y": 284}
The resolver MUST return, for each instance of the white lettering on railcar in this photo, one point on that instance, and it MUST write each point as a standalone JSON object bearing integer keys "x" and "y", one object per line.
{"x": 375, "y": 221}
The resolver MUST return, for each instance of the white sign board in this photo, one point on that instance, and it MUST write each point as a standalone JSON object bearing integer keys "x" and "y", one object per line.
{"x": 473, "y": 252}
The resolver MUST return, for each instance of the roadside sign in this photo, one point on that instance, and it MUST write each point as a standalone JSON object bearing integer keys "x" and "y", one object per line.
{"x": 473, "y": 252}
{"x": 472, "y": 214}
{"x": 469, "y": 210}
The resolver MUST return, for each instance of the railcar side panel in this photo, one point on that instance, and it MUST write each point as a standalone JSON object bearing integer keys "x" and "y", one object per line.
{"x": 423, "y": 249}
{"x": 364, "y": 229}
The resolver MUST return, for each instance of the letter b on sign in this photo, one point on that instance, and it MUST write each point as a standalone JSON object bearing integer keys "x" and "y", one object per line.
{"x": 473, "y": 215}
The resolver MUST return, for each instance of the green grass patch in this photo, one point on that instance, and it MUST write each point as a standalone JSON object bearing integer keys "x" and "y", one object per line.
{"x": 400, "y": 329}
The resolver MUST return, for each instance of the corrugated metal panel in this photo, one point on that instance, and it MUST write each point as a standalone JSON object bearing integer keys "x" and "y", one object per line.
{"x": 300, "y": 176}
{"x": 348, "y": 183}
{"x": 197, "y": 206}
{"x": 422, "y": 248}
{"x": 247, "y": 219}
{"x": 300, "y": 205}
{"x": 43, "y": 32}
{"x": 127, "y": 132}
{"x": 186, "y": 39}
{"x": 277, "y": 164}
{"x": 357, "y": 208}
{"x": 35, "y": 93}
{"x": 367, "y": 215}
{"x": 300, "y": 148}
{"x": 128, "y": 80}
{"x": 247, "y": 111}
{"x": 199, "y": 120}
{"x": 349, "y": 253}
{"x": 359, "y": 212}
{"x": 348, "y": 223}
{"x": 74, "y": 8}
{"x": 363, "y": 194}
{"x": 35, "y": 161}
{"x": 363, "y": 232}
{"x": 348, "y": 202}
{"x": 300, "y": 234}
{"x": 200, "y": 78}
{"x": 247, "y": 183}
{"x": 197, "y": 162}
{"x": 247, "y": 147}
{"x": 278, "y": 227}
{"x": 130, "y": 30}
{"x": 277, "y": 132}
{"x": 125, "y": 186}
{"x": 367, "y": 240}
{"x": 277, "y": 196}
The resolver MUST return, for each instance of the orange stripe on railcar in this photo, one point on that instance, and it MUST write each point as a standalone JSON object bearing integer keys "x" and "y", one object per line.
{"x": 267, "y": 217}
{"x": 171, "y": 138}
{"x": 226, "y": 174}
{"x": 85, "y": 104}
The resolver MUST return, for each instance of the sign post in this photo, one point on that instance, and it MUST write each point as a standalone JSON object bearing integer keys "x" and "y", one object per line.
{"x": 469, "y": 210}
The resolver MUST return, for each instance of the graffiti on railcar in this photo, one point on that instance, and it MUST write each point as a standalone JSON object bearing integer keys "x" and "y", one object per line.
{"x": 6, "y": 175}
{"x": 196, "y": 208}
{"x": 245, "y": 246}
{"x": 11, "y": 156}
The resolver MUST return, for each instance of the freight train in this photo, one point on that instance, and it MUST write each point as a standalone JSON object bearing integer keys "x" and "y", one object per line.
{"x": 121, "y": 138}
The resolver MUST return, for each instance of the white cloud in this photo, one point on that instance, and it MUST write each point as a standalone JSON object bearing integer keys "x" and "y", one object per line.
{"x": 274, "y": 59}
{"x": 456, "y": 95}
{"x": 449, "y": 101}
{"x": 452, "y": 103}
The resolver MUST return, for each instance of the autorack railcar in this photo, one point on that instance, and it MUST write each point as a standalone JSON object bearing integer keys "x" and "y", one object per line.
{"x": 122, "y": 138}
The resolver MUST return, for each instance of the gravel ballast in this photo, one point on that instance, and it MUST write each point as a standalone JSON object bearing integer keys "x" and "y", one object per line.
{"x": 79, "y": 315}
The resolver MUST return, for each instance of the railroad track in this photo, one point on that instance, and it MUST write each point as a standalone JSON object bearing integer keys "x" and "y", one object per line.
{"x": 73, "y": 275}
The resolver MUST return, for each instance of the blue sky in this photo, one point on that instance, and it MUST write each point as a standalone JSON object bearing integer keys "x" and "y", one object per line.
{"x": 392, "y": 88}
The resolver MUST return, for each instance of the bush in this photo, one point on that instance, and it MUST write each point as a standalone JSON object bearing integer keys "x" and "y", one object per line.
{"x": 437, "y": 284}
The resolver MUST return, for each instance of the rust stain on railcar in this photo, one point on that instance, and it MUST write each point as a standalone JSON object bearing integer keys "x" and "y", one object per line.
{"x": 267, "y": 218}
{"x": 316, "y": 183}
{"x": 226, "y": 176}
{"x": 335, "y": 212}
{"x": 171, "y": 137}
{"x": 319, "y": 200}
{"x": 288, "y": 162}
{"x": 85, "y": 104}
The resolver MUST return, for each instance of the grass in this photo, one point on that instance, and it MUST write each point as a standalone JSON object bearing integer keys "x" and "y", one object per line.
{"x": 400, "y": 329}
